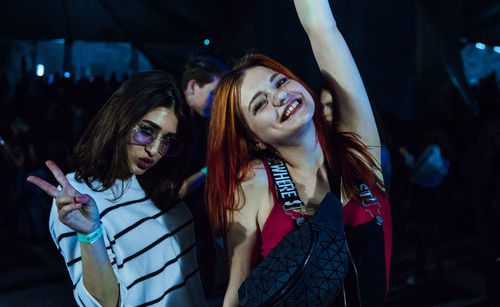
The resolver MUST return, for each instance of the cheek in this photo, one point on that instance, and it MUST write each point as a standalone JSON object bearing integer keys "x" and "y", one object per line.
{"x": 132, "y": 151}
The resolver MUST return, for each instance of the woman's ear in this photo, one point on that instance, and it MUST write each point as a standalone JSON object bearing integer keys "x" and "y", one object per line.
{"x": 190, "y": 87}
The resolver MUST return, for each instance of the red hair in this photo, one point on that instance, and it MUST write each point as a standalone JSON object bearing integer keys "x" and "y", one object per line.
{"x": 231, "y": 145}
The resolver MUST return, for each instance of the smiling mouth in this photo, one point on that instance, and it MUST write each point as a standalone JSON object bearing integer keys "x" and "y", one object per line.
{"x": 289, "y": 110}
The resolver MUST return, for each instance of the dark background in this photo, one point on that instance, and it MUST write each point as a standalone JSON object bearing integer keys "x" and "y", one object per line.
{"x": 411, "y": 55}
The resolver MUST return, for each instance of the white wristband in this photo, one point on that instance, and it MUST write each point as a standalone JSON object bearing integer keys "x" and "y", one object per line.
{"x": 91, "y": 237}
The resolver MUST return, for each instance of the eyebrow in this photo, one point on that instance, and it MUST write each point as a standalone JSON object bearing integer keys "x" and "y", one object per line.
{"x": 156, "y": 127}
{"x": 271, "y": 80}
{"x": 152, "y": 124}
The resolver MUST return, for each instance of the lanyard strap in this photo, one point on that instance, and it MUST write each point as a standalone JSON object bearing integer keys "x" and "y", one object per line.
{"x": 284, "y": 186}
{"x": 290, "y": 200}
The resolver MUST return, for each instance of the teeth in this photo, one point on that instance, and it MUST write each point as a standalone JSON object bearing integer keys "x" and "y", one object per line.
{"x": 291, "y": 108}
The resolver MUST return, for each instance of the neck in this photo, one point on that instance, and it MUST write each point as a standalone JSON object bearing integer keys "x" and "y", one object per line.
{"x": 305, "y": 152}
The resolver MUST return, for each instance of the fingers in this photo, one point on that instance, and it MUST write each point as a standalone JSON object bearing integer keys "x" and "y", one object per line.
{"x": 44, "y": 185}
{"x": 62, "y": 201}
{"x": 58, "y": 174}
{"x": 67, "y": 209}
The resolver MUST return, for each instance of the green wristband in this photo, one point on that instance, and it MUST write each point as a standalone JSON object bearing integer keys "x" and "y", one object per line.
{"x": 91, "y": 237}
{"x": 204, "y": 170}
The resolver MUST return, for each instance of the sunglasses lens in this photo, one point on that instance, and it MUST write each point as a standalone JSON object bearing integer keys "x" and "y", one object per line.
{"x": 171, "y": 148}
{"x": 142, "y": 137}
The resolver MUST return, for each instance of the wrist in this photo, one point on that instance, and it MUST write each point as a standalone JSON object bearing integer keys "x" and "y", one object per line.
{"x": 91, "y": 237}
{"x": 204, "y": 170}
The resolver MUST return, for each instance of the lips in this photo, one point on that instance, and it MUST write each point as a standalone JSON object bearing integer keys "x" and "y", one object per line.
{"x": 291, "y": 108}
{"x": 145, "y": 163}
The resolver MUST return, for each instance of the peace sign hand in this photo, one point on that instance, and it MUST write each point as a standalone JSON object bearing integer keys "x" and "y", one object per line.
{"x": 77, "y": 211}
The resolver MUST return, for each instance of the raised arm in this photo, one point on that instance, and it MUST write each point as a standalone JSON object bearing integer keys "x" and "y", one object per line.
{"x": 340, "y": 72}
{"x": 80, "y": 213}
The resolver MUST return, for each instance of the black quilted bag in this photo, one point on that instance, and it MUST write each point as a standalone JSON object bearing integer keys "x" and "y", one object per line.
{"x": 307, "y": 267}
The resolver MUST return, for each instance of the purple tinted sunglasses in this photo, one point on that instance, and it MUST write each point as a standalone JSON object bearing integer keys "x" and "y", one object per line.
{"x": 169, "y": 144}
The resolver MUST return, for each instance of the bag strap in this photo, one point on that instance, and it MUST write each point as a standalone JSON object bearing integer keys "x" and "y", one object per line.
{"x": 334, "y": 180}
{"x": 285, "y": 189}
{"x": 284, "y": 186}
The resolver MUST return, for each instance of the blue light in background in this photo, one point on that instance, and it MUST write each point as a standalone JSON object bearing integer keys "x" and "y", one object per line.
{"x": 50, "y": 79}
{"x": 40, "y": 70}
{"x": 496, "y": 49}
{"x": 59, "y": 41}
{"x": 206, "y": 42}
{"x": 67, "y": 75}
{"x": 480, "y": 46}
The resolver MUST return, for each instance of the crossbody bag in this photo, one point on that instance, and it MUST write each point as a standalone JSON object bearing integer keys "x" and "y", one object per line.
{"x": 309, "y": 265}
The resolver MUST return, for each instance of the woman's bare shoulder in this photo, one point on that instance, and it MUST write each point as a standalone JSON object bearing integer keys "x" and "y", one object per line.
{"x": 256, "y": 176}
{"x": 254, "y": 188}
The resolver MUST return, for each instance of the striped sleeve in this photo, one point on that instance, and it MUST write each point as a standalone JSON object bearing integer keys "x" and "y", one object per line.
{"x": 68, "y": 245}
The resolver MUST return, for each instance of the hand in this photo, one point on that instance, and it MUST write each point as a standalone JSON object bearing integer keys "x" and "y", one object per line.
{"x": 77, "y": 211}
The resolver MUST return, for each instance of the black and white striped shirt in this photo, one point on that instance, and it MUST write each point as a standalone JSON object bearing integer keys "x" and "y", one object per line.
{"x": 152, "y": 252}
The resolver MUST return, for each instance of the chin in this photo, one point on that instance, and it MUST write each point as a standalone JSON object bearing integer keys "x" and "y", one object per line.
{"x": 137, "y": 171}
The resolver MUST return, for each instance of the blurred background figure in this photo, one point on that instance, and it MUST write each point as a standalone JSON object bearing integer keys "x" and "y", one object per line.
{"x": 426, "y": 208}
{"x": 199, "y": 80}
{"x": 326, "y": 100}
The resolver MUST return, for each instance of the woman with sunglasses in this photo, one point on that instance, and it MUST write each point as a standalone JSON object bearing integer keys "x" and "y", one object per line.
{"x": 124, "y": 236}
{"x": 262, "y": 112}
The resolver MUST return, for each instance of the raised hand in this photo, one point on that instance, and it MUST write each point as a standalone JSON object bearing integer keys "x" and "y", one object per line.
{"x": 77, "y": 211}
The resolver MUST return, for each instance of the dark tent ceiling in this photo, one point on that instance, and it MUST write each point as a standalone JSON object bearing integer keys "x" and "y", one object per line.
{"x": 167, "y": 31}
{"x": 104, "y": 20}
{"x": 178, "y": 22}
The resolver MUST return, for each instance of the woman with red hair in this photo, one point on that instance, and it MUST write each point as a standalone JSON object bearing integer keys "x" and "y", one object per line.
{"x": 262, "y": 111}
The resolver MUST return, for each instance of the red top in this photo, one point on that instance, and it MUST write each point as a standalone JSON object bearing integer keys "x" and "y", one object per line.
{"x": 279, "y": 223}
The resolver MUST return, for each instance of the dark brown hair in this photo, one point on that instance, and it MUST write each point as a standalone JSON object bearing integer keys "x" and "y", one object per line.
{"x": 101, "y": 153}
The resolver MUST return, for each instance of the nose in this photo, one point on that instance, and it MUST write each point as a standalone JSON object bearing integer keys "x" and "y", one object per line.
{"x": 281, "y": 98}
{"x": 153, "y": 148}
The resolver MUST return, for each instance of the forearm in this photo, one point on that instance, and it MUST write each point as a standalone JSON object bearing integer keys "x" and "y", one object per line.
{"x": 191, "y": 183}
{"x": 98, "y": 276}
{"x": 339, "y": 71}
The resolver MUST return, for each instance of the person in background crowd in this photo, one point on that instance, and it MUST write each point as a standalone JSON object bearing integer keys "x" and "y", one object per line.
{"x": 326, "y": 100}
{"x": 199, "y": 80}
{"x": 427, "y": 173}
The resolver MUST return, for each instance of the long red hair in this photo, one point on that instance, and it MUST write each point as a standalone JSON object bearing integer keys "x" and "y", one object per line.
{"x": 231, "y": 145}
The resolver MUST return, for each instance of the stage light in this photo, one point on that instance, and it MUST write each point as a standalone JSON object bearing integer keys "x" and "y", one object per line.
{"x": 480, "y": 46}
{"x": 496, "y": 49}
{"x": 67, "y": 75}
{"x": 40, "y": 70}
{"x": 206, "y": 42}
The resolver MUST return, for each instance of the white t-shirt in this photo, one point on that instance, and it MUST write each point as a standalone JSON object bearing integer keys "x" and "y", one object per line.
{"x": 152, "y": 252}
